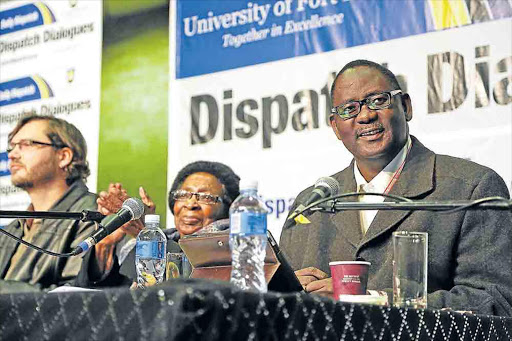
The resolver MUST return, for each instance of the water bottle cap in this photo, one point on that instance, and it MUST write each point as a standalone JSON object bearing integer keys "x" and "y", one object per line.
{"x": 248, "y": 184}
{"x": 151, "y": 218}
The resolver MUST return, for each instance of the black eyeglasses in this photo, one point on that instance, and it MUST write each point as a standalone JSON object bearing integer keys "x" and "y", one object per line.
{"x": 22, "y": 144}
{"x": 373, "y": 102}
{"x": 204, "y": 198}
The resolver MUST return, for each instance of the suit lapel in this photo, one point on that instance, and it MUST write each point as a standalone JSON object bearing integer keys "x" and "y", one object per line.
{"x": 417, "y": 178}
{"x": 347, "y": 222}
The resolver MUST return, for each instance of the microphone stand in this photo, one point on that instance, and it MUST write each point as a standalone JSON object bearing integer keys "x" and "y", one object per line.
{"x": 333, "y": 205}
{"x": 83, "y": 216}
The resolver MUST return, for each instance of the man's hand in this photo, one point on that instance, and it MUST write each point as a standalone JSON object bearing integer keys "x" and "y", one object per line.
{"x": 315, "y": 281}
{"x": 109, "y": 203}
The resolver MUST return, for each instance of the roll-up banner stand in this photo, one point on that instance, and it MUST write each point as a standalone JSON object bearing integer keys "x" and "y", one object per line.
{"x": 50, "y": 62}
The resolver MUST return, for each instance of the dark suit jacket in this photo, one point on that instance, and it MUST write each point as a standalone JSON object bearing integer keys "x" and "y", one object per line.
{"x": 55, "y": 235}
{"x": 470, "y": 258}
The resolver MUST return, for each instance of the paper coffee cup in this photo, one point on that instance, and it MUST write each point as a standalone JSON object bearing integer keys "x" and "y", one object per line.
{"x": 349, "y": 277}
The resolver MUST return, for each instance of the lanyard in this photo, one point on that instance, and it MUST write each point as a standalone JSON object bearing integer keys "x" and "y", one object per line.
{"x": 396, "y": 175}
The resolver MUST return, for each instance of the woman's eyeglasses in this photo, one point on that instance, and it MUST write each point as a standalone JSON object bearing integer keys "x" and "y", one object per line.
{"x": 204, "y": 198}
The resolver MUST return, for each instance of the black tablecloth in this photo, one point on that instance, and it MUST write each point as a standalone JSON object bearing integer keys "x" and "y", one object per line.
{"x": 201, "y": 310}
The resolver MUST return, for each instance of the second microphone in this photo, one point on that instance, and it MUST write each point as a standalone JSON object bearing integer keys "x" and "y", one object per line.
{"x": 132, "y": 209}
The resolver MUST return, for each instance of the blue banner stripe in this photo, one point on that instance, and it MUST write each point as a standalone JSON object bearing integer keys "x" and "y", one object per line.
{"x": 20, "y": 18}
{"x": 23, "y": 90}
{"x": 223, "y": 35}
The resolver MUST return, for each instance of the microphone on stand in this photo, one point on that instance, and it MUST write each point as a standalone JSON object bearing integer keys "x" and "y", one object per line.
{"x": 324, "y": 187}
{"x": 132, "y": 209}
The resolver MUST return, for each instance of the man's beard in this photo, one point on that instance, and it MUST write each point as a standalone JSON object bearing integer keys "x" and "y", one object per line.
{"x": 26, "y": 181}
{"x": 23, "y": 183}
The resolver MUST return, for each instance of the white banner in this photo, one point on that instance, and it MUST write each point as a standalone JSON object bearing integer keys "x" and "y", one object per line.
{"x": 269, "y": 121}
{"x": 50, "y": 57}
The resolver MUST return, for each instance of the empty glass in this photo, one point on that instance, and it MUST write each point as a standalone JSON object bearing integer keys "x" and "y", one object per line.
{"x": 410, "y": 261}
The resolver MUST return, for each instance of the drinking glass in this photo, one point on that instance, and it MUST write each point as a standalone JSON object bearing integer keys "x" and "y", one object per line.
{"x": 177, "y": 266}
{"x": 173, "y": 265}
{"x": 410, "y": 259}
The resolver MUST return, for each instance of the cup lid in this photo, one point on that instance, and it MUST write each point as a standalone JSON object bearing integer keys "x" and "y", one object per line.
{"x": 368, "y": 299}
{"x": 350, "y": 262}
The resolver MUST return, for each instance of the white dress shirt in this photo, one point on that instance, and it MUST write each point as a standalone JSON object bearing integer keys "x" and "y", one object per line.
{"x": 378, "y": 185}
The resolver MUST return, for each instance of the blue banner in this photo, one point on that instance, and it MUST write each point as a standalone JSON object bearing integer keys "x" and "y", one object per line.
{"x": 222, "y": 35}
{"x": 24, "y": 17}
{"x": 23, "y": 90}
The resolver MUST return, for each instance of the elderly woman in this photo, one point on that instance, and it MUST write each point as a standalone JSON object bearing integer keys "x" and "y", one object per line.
{"x": 200, "y": 197}
{"x": 201, "y": 194}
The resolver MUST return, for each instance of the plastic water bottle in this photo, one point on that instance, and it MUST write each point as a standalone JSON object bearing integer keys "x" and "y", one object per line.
{"x": 248, "y": 238}
{"x": 150, "y": 252}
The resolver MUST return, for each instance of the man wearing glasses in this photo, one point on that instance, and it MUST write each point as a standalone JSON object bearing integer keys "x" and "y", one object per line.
{"x": 469, "y": 251}
{"x": 47, "y": 159}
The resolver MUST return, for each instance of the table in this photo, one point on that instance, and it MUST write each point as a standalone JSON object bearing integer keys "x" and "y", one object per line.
{"x": 205, "y": 310}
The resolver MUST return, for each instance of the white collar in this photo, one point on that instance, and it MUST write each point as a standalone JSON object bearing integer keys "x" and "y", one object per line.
{"x": 379, "y": 183}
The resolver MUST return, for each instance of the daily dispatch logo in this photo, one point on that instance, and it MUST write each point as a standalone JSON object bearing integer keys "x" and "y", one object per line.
{"x": 23, "y": 90}
{"x": 25, "y": 17}
{"x": 273, "y": 115}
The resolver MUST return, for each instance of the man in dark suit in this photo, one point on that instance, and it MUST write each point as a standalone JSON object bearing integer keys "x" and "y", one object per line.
{"x": 470, "y": 261}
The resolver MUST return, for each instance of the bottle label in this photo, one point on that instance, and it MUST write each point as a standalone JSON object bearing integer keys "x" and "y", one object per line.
{"x": 150, "y": 249}
{"x": 248, "y": 223}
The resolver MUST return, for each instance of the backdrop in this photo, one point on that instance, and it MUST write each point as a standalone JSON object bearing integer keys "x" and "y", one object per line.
{"x": 50, "y": 62}
{"x": 123, "y": 113}
{"x": 249, "y": 83}
{"x": 246, "y": 83}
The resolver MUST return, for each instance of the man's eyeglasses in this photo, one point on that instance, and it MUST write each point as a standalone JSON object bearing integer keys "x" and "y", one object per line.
{"x": 373, "y": 102}
{"x": 204, "y": 198}
{"x": 22, "y": 144}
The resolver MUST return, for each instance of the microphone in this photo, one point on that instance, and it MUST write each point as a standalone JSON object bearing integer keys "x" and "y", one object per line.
{"x": 132, "y": 209}
{"x": 324, "y": 187}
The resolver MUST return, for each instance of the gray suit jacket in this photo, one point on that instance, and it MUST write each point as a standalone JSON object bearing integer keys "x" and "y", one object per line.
{"x": 470, "y": 258}
{"x": 60, "y": 236}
